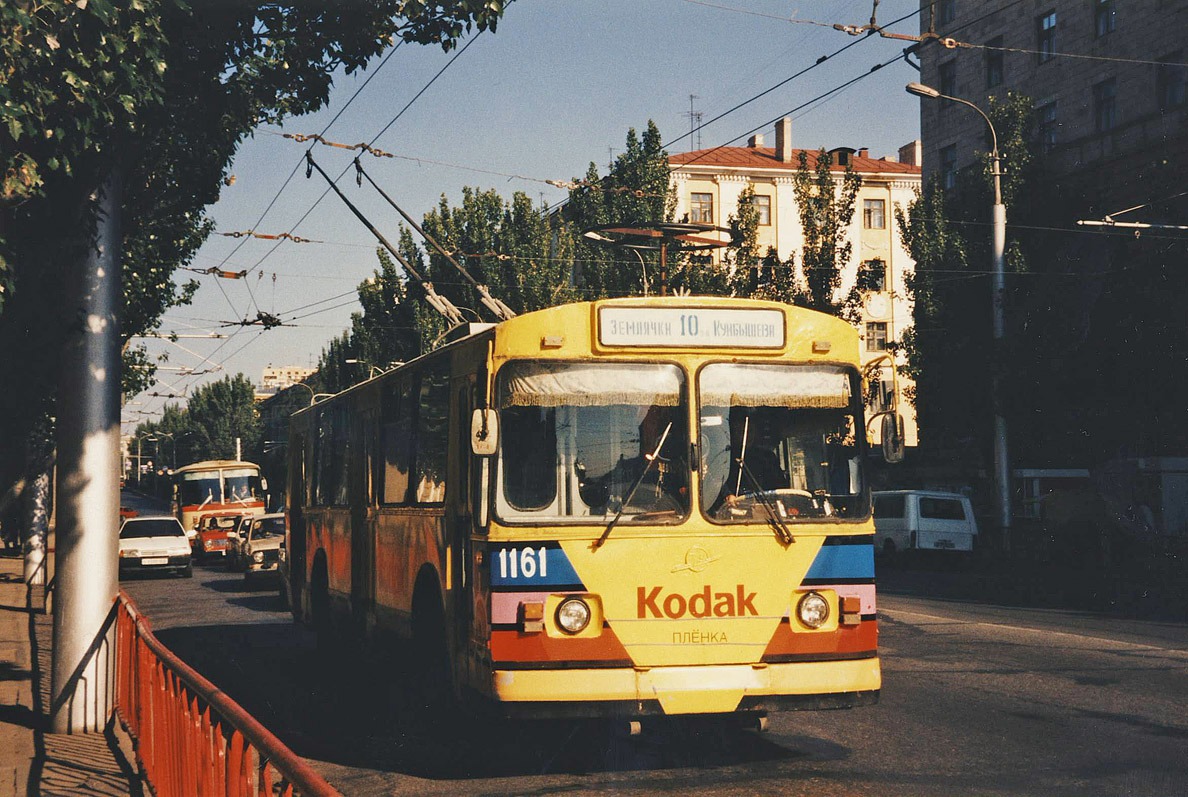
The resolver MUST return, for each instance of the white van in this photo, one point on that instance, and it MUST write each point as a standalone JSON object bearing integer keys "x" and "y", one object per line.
{"x": 923, "y": 520}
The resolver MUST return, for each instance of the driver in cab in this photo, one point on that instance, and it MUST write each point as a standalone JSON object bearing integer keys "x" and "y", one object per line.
{"x": 755, "y": 465}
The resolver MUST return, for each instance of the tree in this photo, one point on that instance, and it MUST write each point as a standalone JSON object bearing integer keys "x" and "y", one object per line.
{"x": 222, "y": 412}
{"x": 826, "y": 209}
{"x": 636, "y": 191}
{"x": 161, "y": 92}
{"x": 507, "y": 246}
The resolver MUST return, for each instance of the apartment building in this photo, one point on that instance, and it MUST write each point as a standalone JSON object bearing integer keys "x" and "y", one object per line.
{"x": 1107, "y": 79}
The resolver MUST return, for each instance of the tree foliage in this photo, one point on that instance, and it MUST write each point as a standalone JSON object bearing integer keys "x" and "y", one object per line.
{"x": 635, "y": 191}
{"x": 160, "y": 92}
{"x": 1084, "y": 367}
{"x": 213, "y": 419}
{"x": 826, "y": 208}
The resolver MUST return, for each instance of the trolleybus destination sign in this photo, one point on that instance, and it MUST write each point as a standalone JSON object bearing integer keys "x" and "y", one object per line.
{"x": 690, "y": 326}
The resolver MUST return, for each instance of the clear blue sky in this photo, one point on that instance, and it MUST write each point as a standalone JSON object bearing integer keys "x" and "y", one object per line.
{"x": 556, "y": 87}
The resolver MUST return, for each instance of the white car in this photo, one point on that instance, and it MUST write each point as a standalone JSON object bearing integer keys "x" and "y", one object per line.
{"x": 155, "y": 544}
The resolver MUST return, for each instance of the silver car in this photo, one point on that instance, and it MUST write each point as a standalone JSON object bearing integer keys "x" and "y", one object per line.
{"x": 261, "y": 546}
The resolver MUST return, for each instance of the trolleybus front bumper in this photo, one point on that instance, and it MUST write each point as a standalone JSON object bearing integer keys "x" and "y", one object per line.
{"x": 716, "y": 689}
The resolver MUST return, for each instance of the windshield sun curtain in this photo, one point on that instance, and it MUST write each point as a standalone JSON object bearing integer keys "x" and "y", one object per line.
{"x": 577, "y": 437}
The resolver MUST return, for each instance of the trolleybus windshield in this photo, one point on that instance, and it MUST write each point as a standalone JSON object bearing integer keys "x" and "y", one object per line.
{"x": 577, "y": 436}
{"x": 780, "y": 441}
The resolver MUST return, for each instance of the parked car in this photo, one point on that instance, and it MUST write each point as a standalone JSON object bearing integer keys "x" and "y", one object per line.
{"x": 261, "y": 547}
{"x": 907, "y": 520}
{"x": 213, "y": 530}
{"x": 127, "y": 512}
{"x": 154, "y": 543}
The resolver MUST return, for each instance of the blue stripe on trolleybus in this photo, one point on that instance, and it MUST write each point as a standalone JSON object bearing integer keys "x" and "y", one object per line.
{"x": 531, "y": 565}
{"x": 843, "y": 560}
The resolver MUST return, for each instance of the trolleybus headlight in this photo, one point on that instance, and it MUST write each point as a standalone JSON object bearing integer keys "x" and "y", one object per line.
{"x": 573, "y": 615}
{"x": 813, "y": 610}
{"x": 258, "y": 556}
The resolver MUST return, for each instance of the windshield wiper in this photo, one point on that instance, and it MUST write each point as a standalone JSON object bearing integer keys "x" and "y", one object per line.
{"x": 635, "y": 486}
{"x": 773, "y": 515}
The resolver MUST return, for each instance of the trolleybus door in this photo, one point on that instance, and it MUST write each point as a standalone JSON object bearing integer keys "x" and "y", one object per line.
{"x": 459, "y": 520}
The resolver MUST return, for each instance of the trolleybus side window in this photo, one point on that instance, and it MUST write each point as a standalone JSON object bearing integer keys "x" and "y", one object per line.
{"x": 780, "y": 439}
{"x": 332, "y": 453}
{"x": 398, "y": 435}
{"x": 582, "y": 441}
{"x": 432, "y": 434}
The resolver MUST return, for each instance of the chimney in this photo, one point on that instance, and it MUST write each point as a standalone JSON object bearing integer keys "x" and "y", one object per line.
{"x": 783, "y": 143}
{"x": 911, "y": 154}
{"x": 755, "y": 141}
{"x": 863, "y": 152}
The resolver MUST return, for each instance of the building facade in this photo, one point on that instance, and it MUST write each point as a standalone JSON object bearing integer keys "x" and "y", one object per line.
{"x": 707, "y": 184}
{"x": 1106, "y": 78}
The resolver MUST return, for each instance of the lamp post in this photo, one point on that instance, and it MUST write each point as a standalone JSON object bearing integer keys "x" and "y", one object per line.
{"x": 139, "y": 455}
{"x": 1002, "y": 471}
{"x": 313, "y": 397}
{"x": 371, "y": 369}
{"x": 172, "y": 448}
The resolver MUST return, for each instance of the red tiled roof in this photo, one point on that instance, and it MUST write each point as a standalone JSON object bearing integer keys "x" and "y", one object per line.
{"x": 764, "y": 158}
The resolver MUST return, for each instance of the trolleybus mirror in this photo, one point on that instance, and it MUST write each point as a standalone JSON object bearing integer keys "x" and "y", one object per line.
{"x": 484, "y": 432}
{"x": 892, "y": 437}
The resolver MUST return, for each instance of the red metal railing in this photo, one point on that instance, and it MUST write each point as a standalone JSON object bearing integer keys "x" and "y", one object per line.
{"x": 192, "y": 739}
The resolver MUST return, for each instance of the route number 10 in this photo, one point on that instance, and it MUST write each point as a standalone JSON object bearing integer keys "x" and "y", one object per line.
{"x": 688, "y": 325}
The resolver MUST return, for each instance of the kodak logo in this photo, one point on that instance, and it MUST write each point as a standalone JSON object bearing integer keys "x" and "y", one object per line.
{"x": 650, "y": 603}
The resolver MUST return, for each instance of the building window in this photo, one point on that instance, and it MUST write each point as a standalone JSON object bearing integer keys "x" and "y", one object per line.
{"x": 994, "y": 56}
{"x": 701, "y": 208}
{"x": 947, "y": 78}
{"x": 1105, "y": 105}
{"x": 876, "y": 335}
{"x": 763, "y": 205}
{"x": 1046, "y": 118}
{"x": 1103, "y": 17}
{"x": 1045, "y": 34}
{"x": 873, "y": 214}
{"x": 948, "y": 166}
{"x": 872, "y": 276}
{"x": 1170, "y": 81}
{"x": 947, "y": 12}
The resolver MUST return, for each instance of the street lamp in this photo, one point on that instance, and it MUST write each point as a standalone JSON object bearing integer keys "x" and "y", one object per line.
{"x": 139, "y": 454}
{"x": 371, "y": 368}
{"x": 313, "y": 397}
{"x": 172, "y": 448}
{"x": 1002, "y": 471}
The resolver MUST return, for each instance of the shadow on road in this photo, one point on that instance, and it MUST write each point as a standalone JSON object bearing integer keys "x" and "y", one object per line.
{"x": 359, "y": 713}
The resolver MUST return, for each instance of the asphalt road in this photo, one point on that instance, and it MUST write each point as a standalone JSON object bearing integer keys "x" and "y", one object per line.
{"x": 977, "y": 700}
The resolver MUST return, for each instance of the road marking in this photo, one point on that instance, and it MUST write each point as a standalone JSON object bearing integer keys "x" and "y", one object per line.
{"x": 1115, "y": 642}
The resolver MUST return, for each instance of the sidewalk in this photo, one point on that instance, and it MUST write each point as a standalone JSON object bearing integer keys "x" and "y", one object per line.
{"x": 33, "y": 762}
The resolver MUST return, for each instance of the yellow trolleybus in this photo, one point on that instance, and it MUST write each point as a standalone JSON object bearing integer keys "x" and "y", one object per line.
{"x": 624, "y": 508}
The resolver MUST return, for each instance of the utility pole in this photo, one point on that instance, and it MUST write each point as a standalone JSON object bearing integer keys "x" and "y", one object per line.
{"x": 1002, "y": 467}
{"x": 82, "y": 682}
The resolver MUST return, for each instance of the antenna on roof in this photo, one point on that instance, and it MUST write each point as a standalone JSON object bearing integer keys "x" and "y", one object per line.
{"x": 694, "y": 123}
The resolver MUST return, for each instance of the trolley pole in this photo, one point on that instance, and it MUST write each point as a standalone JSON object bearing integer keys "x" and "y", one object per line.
{"x": 86, "y": 569}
